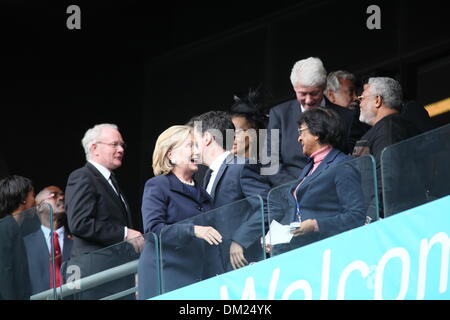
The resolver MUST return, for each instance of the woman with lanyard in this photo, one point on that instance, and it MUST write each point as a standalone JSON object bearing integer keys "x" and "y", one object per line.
{"x": 328, "y": 196}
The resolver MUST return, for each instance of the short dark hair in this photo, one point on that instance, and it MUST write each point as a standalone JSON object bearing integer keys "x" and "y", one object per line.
{"x": 326, "y": 124}
{"x": 214, "y": 121}
{"x": 13, "y": 191}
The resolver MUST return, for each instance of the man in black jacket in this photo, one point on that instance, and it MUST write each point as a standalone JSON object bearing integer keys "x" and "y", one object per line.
{"x": 380, "y": 106}
{"x": 97, "y": 211}
{"x": 228, "y": 180}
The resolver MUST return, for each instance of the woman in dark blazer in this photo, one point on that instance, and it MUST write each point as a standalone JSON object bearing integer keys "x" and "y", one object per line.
{"x": 170, "y": 197}
{"x": 328, "y": 195}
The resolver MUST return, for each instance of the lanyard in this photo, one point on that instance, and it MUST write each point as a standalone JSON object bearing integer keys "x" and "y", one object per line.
{"x": 297, "y": 203}
{"x": 299, "y": 219}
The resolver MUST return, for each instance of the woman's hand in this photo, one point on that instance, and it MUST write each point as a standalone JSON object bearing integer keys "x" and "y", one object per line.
{"x": 209, "y": 234}
{"x": 306, "y": 227}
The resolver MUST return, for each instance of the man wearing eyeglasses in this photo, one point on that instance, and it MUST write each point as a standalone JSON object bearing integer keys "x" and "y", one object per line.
{"x": 380, "y": 105}
{"x": 98, "y": 214}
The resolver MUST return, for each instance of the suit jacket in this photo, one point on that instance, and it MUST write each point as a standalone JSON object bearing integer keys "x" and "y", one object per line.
{"x": 38, "y": 259}
{"x": 166, "y": 204}
{"x": 332, "y": 195}
{"x": 96, "y": 215}
{"x": 284, "y": 117}
{"x": 236, "y": 180}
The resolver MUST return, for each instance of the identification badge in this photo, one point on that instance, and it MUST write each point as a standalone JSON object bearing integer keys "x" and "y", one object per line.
{"x": 294, "y": 225}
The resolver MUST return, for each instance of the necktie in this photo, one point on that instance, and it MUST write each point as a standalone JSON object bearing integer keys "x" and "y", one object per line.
{"x": 116, "y": 186}
{"x": 207, "y": 178}
{"x": 58, "y": 261}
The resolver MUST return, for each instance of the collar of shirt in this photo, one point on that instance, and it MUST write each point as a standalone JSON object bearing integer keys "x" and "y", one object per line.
{"x": 103, "y": 170}
{"x": 322, "y": 104}
{"x": 59, "y": 231}
{"x": 105, "y": 173}
{"x": 215, "y": 165}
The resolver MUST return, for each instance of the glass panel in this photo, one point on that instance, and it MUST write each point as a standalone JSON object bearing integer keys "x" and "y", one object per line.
{"x": 281, "y": 208}
{"x": 109, "y": 273}
{"x": 186, "y": 259}
{"x": 347, "y": 200}
{"x": 367, "y": 169}
{"x": 416, "y": 171}
{"x": 149, "y": 277}
{"x": 25, "y": 260}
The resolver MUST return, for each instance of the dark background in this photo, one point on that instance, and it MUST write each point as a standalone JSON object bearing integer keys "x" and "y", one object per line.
{"x": 147, "y": 65}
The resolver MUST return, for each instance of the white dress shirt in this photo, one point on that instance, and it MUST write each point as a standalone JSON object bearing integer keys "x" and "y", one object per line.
{"x": 49, "y": 237}
{"x": 107, "y": 174}
{"x": 215, "y": 166}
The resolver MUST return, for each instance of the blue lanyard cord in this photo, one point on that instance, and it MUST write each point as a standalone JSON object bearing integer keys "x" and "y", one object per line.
{"x": 299, "y": 219}
{"x": 297, "y": 203}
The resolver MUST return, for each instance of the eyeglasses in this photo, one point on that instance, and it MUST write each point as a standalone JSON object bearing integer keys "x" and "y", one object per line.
{"x": 361, "y": 98}
{"x": 301, "y": 129}
{"x": 115, "y": 144}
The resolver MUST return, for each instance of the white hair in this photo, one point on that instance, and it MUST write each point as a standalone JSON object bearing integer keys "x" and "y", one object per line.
{"x": 92, "y": 136}
{"x": 333, "y": 78}
{"x": 309, "y": 72}
{"x": 389, "y": 89}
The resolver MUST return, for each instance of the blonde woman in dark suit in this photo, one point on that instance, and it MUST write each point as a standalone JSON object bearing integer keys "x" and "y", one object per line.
{"x": 171, "y": 197}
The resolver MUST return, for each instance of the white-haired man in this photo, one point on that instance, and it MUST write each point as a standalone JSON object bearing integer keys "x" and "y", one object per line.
{"x": 380, "y": 105}
{"x": 341, "y": 89}
{"x": 308, "y": 78}
{"x": 97, "y": 211}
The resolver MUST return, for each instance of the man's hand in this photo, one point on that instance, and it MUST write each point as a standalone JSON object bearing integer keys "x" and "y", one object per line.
{"x": 306, "y": 227}
{"x": 209, "y": 234}
{"x": 237, "y": 258}
{"x": 136, "y": 239}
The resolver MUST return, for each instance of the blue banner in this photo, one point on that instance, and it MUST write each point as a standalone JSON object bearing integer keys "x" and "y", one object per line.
{"x": 405, "y": 256}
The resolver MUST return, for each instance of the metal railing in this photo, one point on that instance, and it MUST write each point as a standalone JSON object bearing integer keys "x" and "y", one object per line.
{"x": 92, "y": 281}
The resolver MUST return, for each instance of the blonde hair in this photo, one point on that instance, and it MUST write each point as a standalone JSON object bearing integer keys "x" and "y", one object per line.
{"x": 171, "y": 138}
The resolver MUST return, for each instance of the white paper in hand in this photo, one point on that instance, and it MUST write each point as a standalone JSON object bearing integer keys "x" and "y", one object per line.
{"x": 278, "y": 233}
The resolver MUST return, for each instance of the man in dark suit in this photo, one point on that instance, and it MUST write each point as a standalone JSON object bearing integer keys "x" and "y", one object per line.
{"x": 228, "y": 180}
{"x": 38, "y": 244}
{"x": 97, "y": 211}
{"x": 308, "y": 79}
